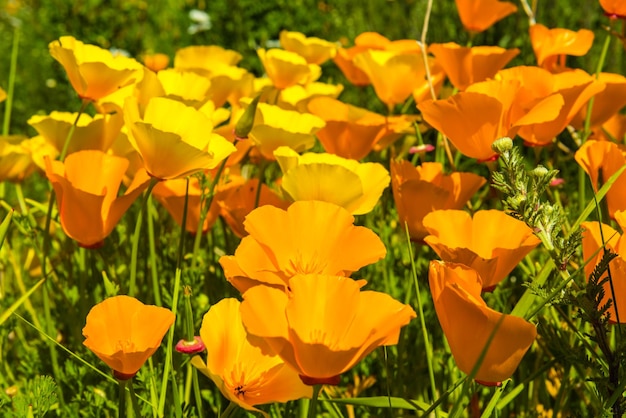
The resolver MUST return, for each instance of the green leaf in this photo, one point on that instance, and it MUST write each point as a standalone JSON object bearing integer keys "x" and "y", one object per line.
{"x": 6, "y": 314}
{"x": 4, "y": 227}
{"x": 385, "y": 402}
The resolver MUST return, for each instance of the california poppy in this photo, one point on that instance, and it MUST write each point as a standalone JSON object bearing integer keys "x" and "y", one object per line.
{"x": 480, "y": 15}
{"x": 124, "y": 333}
{"x": 98, "y": 132}
{"x": 156, "y": 62}
{"x": 286, "y": 68}
{"x": 355, "y": 186}
{"x": 420, "y": 190}
{"x": 597, "y": 236}
{"x": 93, "y": 72}
{"x": 173, "y": 146}
{"x": 324, "y": 325}
{"x": 600, "y": 160}
{"x": 244, "y": 367}
{"x": 468, "y": 323}
{"x": 16, "y": 162}
{"x": 171, "y": 194}
{"x": 606, "y": 103}
{"x": 86, "y": 187}
{"x": 465, "y": 66}
{"x": 615, "y": 9}
{"x": 308, "y": 237}
{"x": 185, "y": 86}
{"x": 275, "y": 127}
{"x": 205, "y": 57}
{"x": 491, "y": 242}
{"x": 314, "y": 50}
{"x": 299, "y": 96}
{"x": 551, "y": 46}
{"x": 235, "y": 200}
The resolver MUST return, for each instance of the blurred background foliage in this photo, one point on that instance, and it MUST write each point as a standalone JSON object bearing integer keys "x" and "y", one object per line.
{"x": 142, "y": 26}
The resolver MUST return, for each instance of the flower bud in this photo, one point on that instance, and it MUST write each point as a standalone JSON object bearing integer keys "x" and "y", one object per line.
{"x": 502, "y": 145}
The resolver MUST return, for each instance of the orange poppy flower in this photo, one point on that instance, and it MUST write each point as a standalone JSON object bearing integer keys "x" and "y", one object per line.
{"x": 491, "y": 242}
{"x": 93, "y": 72}
{"x": 308, "y": 237}
{"x": 124, "y": 333}
{"x": 394, "y": 74}
{"x": 156, "y": 62}
{"x": 600, "y": 160}
{"x": 16, "y": 161}
{"x": 465, "y": 66}
{"x": 204, "y": 58}
{"x": 551, "y": 46}
{"x": 606, "y": 103}
{"x": 86, "y": 187}
{"x": 287, "y": 68}
{"x": 344, "y": 59}
{"x": 480, "y": 15}
{"x": 325, "y": 325}
{"x": 613, "y": 129}
{"x": 237, "y": 199}
{"x": 171, "y": 194}
{"x": 615, "y": 9}
{"x": 350, "y": 131}
{"x": 98, "y": 132}
{"x": 595, "y": 237}
{"x": 420, "y": 190}
{"x": 174, "y": 140}
{"x": 298, "y": 97}
{"x": 314, "y": 50}
{"x": 468, "y": 323}
{"x": 243, "y": 367}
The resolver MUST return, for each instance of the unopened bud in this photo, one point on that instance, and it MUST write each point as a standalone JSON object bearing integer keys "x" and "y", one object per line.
{"x": 502, "y": 145}
{"x": 246, "y": 121}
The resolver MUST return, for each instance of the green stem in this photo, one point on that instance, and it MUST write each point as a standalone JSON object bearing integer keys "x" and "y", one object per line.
{"x": 121, "y": 399}
{"x": 135, "y": 248}
{"x": 11, "y": 87}
{"x": 156, "y": 289}
{"x": 229, "y": 410}
{"x": 177, "y": 279}
{"x": 313, "y": 404}
{"x": 133, "y": 399}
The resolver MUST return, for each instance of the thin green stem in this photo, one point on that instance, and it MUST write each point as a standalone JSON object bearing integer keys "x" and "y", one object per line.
{"x": 133, "y": 399}
{"x": 156, "y": 288}
{"x": 11, "y": 87}
{"x": 121, "y": 399}
{"x": 135, "y": 243}
{"x": 313, "y": 404}
{"x": 229, "y": 410}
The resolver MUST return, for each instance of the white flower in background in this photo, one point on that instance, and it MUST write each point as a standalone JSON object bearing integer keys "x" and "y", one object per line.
{"x": 202, "y": 21}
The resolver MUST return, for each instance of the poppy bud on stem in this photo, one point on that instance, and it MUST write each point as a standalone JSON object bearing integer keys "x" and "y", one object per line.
{"x": 246, "y": 122}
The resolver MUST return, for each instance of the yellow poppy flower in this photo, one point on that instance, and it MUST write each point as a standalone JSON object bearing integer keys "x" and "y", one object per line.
{"x": 16, "y": 162}
{"x": 205, "y": 58}
{"x": 491, "y": 242}
{"x": 287, "y": 68}
{"x": 355, "y": 186}
{"x": 417, "y": 191}
{"x": 325, "y": 325}
{"x": 308, "y": 237}
{"x": 298, "y": 97}
{"x": 173, "y": 140}
{"x": 480, "y": 15}
{"x": 124, "y": 333}
{"x": 468, "y": 323}
{"x": 275, "y": 127}
{"x": 96, "y": 133}
{"x": 86, "y": 187}
{"x": 185, "y": 86}
{"x": 314, "y": 50}
{"x": 244, "y": 367}
{"x": 93, "y": 72}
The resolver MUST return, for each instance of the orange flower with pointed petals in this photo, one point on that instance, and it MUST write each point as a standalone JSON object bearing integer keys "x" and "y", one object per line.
{"x": 480, "y": 15}
{"x": 595, "y": 237}
{"x": 600, "y": 160}
{"x": 314, "y": 50}
{"x": 242, "y": 366}
{"x": 124, "y": 333}
{"x": 468, "y": 323}
{"x": 350, "y": 131}
{"x": 308, "y": 237}
{"x": 171, "y": 194}
{"x": 324, "y": 325}
{"x": 420, "y": 190}
{"x": 491, "y": 242}
{"x": 86, "y": 187}
{"x": 93, "y": 72}
{"x": 238, "y": 198}
{"x": 286, "y": 68}
{"x": 551, "y": 46}
{"x": 615, "y": 9}
{"x": 465, "y": 66}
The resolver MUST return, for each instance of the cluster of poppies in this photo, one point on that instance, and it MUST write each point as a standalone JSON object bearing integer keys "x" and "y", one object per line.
{"x": 303, "y": 320}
